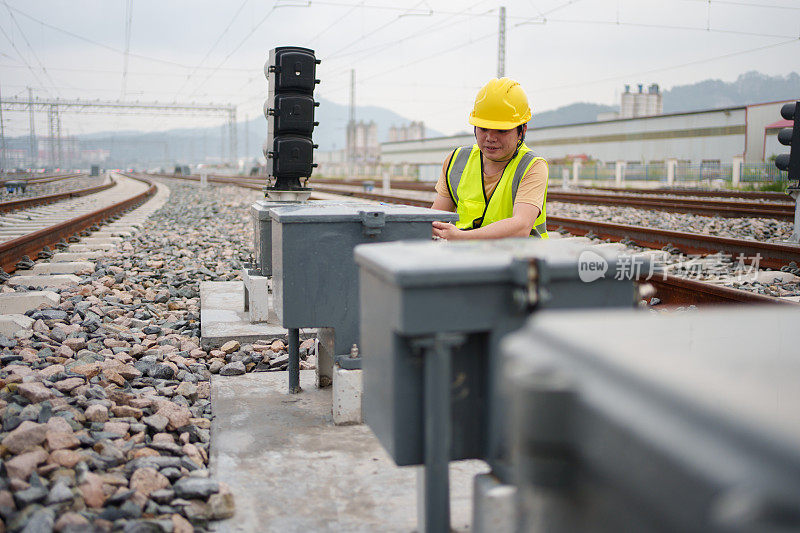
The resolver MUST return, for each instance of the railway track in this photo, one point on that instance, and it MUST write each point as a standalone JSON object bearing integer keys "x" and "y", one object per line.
{"x": 710, "y": 203}
{"x": 671, "y": 290}
{"x": 27, "y": 232}
{"x": 25, "y": 203}
{"x": 32, "y": 179}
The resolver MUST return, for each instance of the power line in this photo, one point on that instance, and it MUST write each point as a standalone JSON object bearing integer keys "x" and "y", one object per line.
{"x": 746, "y": 4}
{"x": 22, "y": 57}
{"x": 379, "y": 28}
{"x": 425, "y": 31}
{"x": 656, "y": 26}
{"x": 335, "y": 22}
{"x": 128, "y": 20}
{"x": 107, "y": 47}
{"x": 213, "y": 46}
{"x": 672, "y": 67}
{"x": 25, "y": 38}
{"x": 115, "y": 72}
{"x": 236, "y": 48}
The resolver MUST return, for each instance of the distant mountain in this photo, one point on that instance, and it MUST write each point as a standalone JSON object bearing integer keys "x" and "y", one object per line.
{"x": 194, "y": 144}
{"x": 749, "y": 88}
{"x": 135, "y": 148}
{"x": 569, "y": 114}
{"x": 333, "y": 117}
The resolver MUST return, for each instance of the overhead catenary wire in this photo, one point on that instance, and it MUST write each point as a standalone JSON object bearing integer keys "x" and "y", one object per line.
{"x": 22, "y": 57}
{"x": 238, "y": 46}
{"x": 111, "y": 48}
{"x": 128, "y": 21}
{"x": 212, "y": 48}
{"x": 671, "y": 67}
{"x": 25, "y": 38}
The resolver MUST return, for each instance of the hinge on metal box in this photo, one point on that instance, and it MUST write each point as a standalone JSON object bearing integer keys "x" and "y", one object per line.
{"x": 373, "y": 222}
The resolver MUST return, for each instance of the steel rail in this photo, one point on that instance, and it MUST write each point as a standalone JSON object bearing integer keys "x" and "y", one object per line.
{"x": 707, "y": 207}
{"x": 746, "y": 195}
{"x": 27, "y": 177}
{"x": 700, "y": 206}
{"x": 770, "y": 255}
{"x": 673, "y": 290}
{"x": 31, "y": 244}
{"x": 749, "y": 195}
{"x": 24, "y": 203}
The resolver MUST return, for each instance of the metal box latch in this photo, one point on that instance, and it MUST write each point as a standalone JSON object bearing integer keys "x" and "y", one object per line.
{"x": 530, "y": 280}
{"x": 373, "y": 222}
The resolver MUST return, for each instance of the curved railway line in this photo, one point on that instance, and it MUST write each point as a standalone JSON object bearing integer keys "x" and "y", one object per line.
{"x": 30, "y": 231}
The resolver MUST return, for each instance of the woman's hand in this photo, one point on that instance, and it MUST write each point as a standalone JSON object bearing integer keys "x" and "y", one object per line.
{"x": 445, "y": 230}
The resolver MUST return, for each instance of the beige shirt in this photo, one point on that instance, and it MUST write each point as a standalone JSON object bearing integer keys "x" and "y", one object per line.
{"x": 531, "y": 190}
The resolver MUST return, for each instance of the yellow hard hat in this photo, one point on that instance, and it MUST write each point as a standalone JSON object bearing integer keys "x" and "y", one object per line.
{"x": 500, "y": 105}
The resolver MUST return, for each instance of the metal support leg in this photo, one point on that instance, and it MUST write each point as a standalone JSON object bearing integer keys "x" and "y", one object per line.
{"x": 794, "y": 192}
{"x": 294, "y": 361}
{"x": 434, "y": 517}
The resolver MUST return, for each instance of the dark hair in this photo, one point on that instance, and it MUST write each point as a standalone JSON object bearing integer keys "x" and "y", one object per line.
{"x": 519, "y": 130}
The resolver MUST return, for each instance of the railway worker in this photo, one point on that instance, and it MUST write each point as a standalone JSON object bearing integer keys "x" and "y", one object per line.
{"x": 498, "y": 186}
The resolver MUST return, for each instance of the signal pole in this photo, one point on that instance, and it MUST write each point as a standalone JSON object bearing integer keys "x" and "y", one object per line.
{"x": 501, "y": 44}
{"x": 2, "y": 140}
{"x": 34, "y": 156}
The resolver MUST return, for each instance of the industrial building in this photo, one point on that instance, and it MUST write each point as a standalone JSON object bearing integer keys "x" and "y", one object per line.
{"x": 716, "y": 137}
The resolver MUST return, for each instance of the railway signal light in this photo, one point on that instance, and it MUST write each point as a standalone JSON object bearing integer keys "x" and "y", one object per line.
{"x": 790, "y": 136}
{"x": 291, "y": 73}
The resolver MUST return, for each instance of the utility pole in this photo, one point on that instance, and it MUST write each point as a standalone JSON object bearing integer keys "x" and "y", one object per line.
{"x": 34, "y": 155}
{"x": 52, "y": 112}
{"x": 232, "y": 148}
{"x": 351, "y": 123}
{"x": 501, "y": 44}
{"x": 246, "y": 136}
{"x": 2, "y": 139}
{"x": 59, "y": 149}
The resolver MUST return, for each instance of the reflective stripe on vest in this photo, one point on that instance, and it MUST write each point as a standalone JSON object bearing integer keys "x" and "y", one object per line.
{"x": 457, "y": 165}
{"x": 469, "y": 195}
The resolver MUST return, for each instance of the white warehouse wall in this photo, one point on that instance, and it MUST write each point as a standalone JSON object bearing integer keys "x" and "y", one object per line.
{"x": 719, "y": 134}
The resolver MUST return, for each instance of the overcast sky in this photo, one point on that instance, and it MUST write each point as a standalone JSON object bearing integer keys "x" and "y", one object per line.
{"x": 425, "y": 60}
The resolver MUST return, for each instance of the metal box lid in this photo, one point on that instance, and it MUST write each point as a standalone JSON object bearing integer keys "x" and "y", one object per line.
{"x": 353, "y": 212}
{"x": 260, "y": 209}
{"x": 711, "y": 396}
{"x": 437, "y": 263}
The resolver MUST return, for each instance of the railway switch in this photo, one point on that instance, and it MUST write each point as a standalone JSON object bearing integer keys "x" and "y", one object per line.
{"x": 291, "y": 73}
{"x": 432, "y": 317}
{"x": 648, "y": 422}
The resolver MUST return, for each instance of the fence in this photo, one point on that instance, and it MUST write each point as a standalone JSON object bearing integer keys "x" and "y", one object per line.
{"x": 762, "y": 173}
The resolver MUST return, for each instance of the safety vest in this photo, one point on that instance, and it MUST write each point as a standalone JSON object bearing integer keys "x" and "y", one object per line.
{"x": 473, "y": 208}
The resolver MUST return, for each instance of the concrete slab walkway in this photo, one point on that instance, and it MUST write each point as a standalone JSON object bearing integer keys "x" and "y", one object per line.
{"x": 291, "y": 469}
{"x": 223, "y": 318}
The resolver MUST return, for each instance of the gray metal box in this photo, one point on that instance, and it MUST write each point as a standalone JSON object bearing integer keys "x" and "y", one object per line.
{"x": 262, "y": 233}
{"x": 262, "y": 227}
{"x": 315, "y": 279}
{"x": 481, "y": 289}
{"x": 686, "y": 422}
